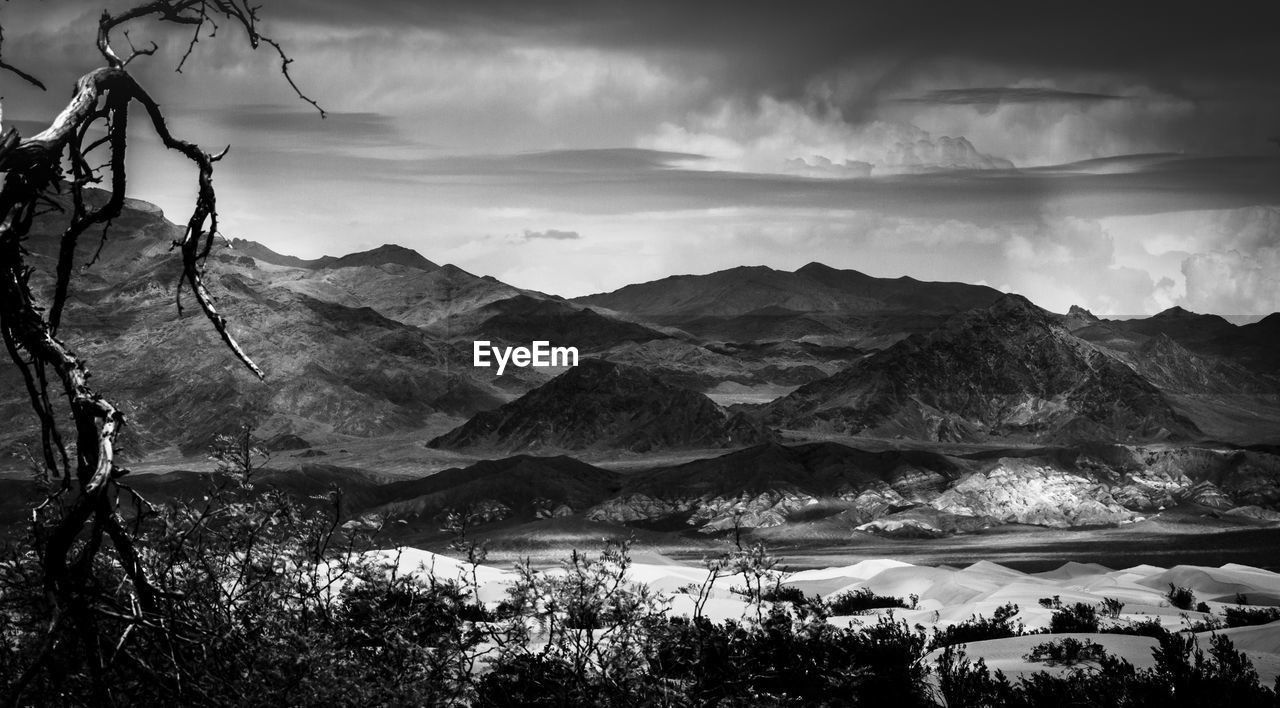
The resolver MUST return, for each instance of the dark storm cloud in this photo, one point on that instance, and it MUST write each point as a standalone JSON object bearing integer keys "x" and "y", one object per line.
{"x": 1003, "y": 94}
{"x": 781, "y": 46}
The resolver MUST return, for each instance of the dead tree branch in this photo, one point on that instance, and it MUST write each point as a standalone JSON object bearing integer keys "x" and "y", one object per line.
{"x": 35, "y": 178}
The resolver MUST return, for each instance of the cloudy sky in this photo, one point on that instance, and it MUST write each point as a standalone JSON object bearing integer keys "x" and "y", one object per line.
{"x": 1117, "y": 157}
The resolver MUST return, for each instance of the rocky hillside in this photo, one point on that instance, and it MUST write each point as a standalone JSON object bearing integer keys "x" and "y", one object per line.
{"x": 397, "y": 282}
{"x": 822, "y": 491}
{"x": 1009, "y": 370}
{"x": 333, "y": 366}
{"x": 602, "y": 405}
{"x": 768, "y": 484}
{"x": 1173, "y": 367}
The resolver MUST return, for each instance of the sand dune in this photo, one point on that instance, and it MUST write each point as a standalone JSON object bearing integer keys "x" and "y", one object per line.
{"x": 1218, "y": 583}
{"x": 944, "y": 596}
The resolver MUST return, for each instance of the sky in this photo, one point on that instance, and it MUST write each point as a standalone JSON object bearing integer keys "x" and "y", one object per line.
{"x": 1120, "y": 157}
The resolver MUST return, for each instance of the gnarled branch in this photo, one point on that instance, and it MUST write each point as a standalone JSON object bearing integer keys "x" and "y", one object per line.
{"x": 34, "y": 177}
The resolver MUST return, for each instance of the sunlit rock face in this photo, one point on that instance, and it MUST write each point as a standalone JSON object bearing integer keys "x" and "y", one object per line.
{"x": 874, "y": 503}
{"x": 924, "y": 522}
{"x": 1208, "y": 494}
{"x": 1149, "y": 492}
{"x": 1020, "y": 492}
{"x": 637, "y": 507}
{"x": 754, "y": 511}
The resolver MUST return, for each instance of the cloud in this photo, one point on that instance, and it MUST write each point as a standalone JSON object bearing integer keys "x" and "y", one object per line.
{"x": 772, "y": 47}
{"x": 1232, "y": 282}
{"x": 1008, "y": 94}
{"x": 773, "y": 136}
{"x": 711, "y": 134}
{"x": 552, "y": 234}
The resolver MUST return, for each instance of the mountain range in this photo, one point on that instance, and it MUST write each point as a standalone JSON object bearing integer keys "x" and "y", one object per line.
{"x": 746, "y": 397}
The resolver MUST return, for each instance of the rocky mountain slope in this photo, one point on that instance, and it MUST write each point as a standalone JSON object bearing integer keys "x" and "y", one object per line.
{"x": 768, "y": 484}
{"x": 1008, "y": 370}
{"x": 602, "y": 405}
{"x": 333, "y": 366}
{"x": 397, "y": 282}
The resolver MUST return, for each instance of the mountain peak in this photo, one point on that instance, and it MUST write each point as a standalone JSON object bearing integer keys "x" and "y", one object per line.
{"x": 816, "y": 269}
{"x": 386, "y": 254}
{"x": 1081, "y": 313}
{"x": 1176, "y": 311}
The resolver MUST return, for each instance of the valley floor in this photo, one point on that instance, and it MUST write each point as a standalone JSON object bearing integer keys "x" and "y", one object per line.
{"x": 1173, "y": 538}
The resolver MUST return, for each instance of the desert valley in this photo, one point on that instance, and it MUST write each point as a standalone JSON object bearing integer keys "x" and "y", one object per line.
{"x": 819, "y": 409}
{"x": 930, "y": 453}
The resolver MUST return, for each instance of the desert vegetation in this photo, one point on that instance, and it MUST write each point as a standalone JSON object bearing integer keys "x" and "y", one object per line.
{"x": 266, "y": 599}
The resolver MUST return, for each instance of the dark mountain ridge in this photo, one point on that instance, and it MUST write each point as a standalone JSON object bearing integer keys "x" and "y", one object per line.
{"x": 524, "y": 487}
{"x": 521, "y": 319}
{"x": 1006, "y": 370}
{"x": 812, "y": 288}
{"x": 600, "y": 404}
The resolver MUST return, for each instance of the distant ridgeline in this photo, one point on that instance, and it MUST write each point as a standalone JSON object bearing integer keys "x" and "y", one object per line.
{"x": 783, "y": 366}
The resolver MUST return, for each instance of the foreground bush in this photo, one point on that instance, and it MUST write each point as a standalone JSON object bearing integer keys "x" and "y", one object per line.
{"x": 855, "y": 602}
{"x": 264, "y": 600}
{"x": 976, "y": 629}
{"x": 1068, "y": 651}
{"x": 1249, "y": 616}
{"x": 1185, "y": 676}
{"x": 1079, "y": 617}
